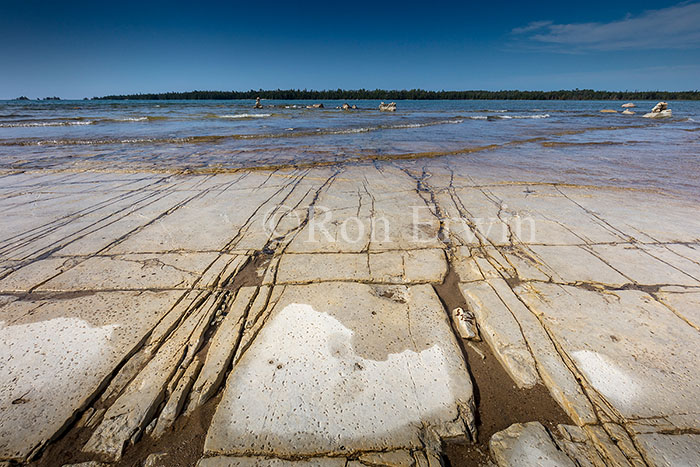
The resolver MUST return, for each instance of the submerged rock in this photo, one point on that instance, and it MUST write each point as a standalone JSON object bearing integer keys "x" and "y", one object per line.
{"x": 608, "y": 111}
{"x": 390, "y": 107}
{"x": 660, "y": 110}
{"x": 627, "y": 112}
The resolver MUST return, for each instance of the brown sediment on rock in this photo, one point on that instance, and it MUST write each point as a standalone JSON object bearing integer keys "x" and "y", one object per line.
{"x": 499, "y": 402}
{"x": 250, "y": 275}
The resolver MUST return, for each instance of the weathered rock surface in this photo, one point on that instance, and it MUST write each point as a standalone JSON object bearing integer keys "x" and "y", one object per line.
{"x": 670, "y": 450}
{"x": 338, "y": 369}
{"x": 525, "y": 445}
{"x": 390, "y": 107}
{"x": 271, "y": 462}
{"x": 223, "y": 347}
{"x": 117, "y": 322}
{"x": 133, "y": 410}
{"x": 57, "y": 353}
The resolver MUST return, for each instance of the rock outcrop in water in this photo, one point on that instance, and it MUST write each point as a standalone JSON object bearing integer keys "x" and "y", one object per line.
{"x": 314, "y": 106}
{"x": 257, "y": 105}
{"x": 628, "y": 105}
{"x": 660, "y": 110}
{"x": 390, "y": 107}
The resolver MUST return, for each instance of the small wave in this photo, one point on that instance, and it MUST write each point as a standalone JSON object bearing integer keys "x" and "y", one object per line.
{"x": 107, "y": 141}
{"x": 421, "y": 125}
{"x": 507, "y": 117}
{"x": 132, "y": 119}
{"x": 349, "y": 131}
{"x": 526, "y": 116}
{"x": 245, "y": 116}
{"x": 217, "y": 138}
{"x": 142, "y": 118}
{"x": 555, "y": 144}
{"x": 41, "y": 124}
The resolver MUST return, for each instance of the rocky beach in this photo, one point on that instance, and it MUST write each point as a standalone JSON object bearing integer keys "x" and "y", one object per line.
{"x": 355, "y": 306}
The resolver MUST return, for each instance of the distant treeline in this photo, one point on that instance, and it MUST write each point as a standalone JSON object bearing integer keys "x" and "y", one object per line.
{"x": 418, "y": 94}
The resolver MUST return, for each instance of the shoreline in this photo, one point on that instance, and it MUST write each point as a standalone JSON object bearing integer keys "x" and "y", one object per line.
{"x": 143, "y": 300}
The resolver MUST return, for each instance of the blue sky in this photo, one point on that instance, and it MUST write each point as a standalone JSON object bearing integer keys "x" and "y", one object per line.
{"x": 77, "y": 49}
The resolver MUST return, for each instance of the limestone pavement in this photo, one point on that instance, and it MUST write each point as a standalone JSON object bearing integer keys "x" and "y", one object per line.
{"x": 303, "y": 307}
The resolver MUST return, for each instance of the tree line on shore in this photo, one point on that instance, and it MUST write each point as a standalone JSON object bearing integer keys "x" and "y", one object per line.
{"x": 416, "y": 94}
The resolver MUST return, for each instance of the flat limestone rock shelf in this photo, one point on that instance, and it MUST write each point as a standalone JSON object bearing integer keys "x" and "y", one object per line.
{"x": 57, "y": 353}
{"x": 297, "y": 309}
{"x": 342, "y": 368}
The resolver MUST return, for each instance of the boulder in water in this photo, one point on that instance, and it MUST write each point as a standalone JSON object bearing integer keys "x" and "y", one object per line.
{"x": 314, "y": 106}
{"x": 346, "y": 106}
{"x": 628, "y": 105}
{"x": 608, "y": 111}
{"x": 390, "y": 107}
{"x": 257, "y": 105}
{"x": 627, "y": 112}
{"x": 660, "y": 110}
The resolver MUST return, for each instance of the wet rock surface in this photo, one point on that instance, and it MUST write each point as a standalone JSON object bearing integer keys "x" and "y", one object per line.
{"x": 329, "y": 316}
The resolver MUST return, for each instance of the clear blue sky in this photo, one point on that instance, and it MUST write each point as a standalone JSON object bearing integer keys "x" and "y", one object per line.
{"x": 76, "y": 49}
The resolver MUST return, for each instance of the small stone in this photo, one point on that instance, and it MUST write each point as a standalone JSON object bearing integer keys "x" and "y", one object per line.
{"x": 157, "y": 459}
{"x": 465, "y": 322}
{"x": 151, "y": 426}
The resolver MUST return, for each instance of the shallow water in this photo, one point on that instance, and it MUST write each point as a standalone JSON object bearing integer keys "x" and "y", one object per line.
{"x": 550, "y": 141}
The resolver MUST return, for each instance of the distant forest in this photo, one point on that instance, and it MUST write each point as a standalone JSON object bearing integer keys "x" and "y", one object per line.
{"x": 418, "y": 94}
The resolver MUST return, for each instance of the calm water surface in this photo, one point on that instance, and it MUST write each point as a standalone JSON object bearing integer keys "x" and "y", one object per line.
{"x": 561, "y": 141}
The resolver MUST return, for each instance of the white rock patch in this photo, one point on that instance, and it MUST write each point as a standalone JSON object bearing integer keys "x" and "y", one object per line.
{"x": 607, "y": 378}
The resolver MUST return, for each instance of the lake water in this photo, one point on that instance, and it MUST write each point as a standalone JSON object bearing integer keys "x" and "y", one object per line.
{"x": 550, "y": 141}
